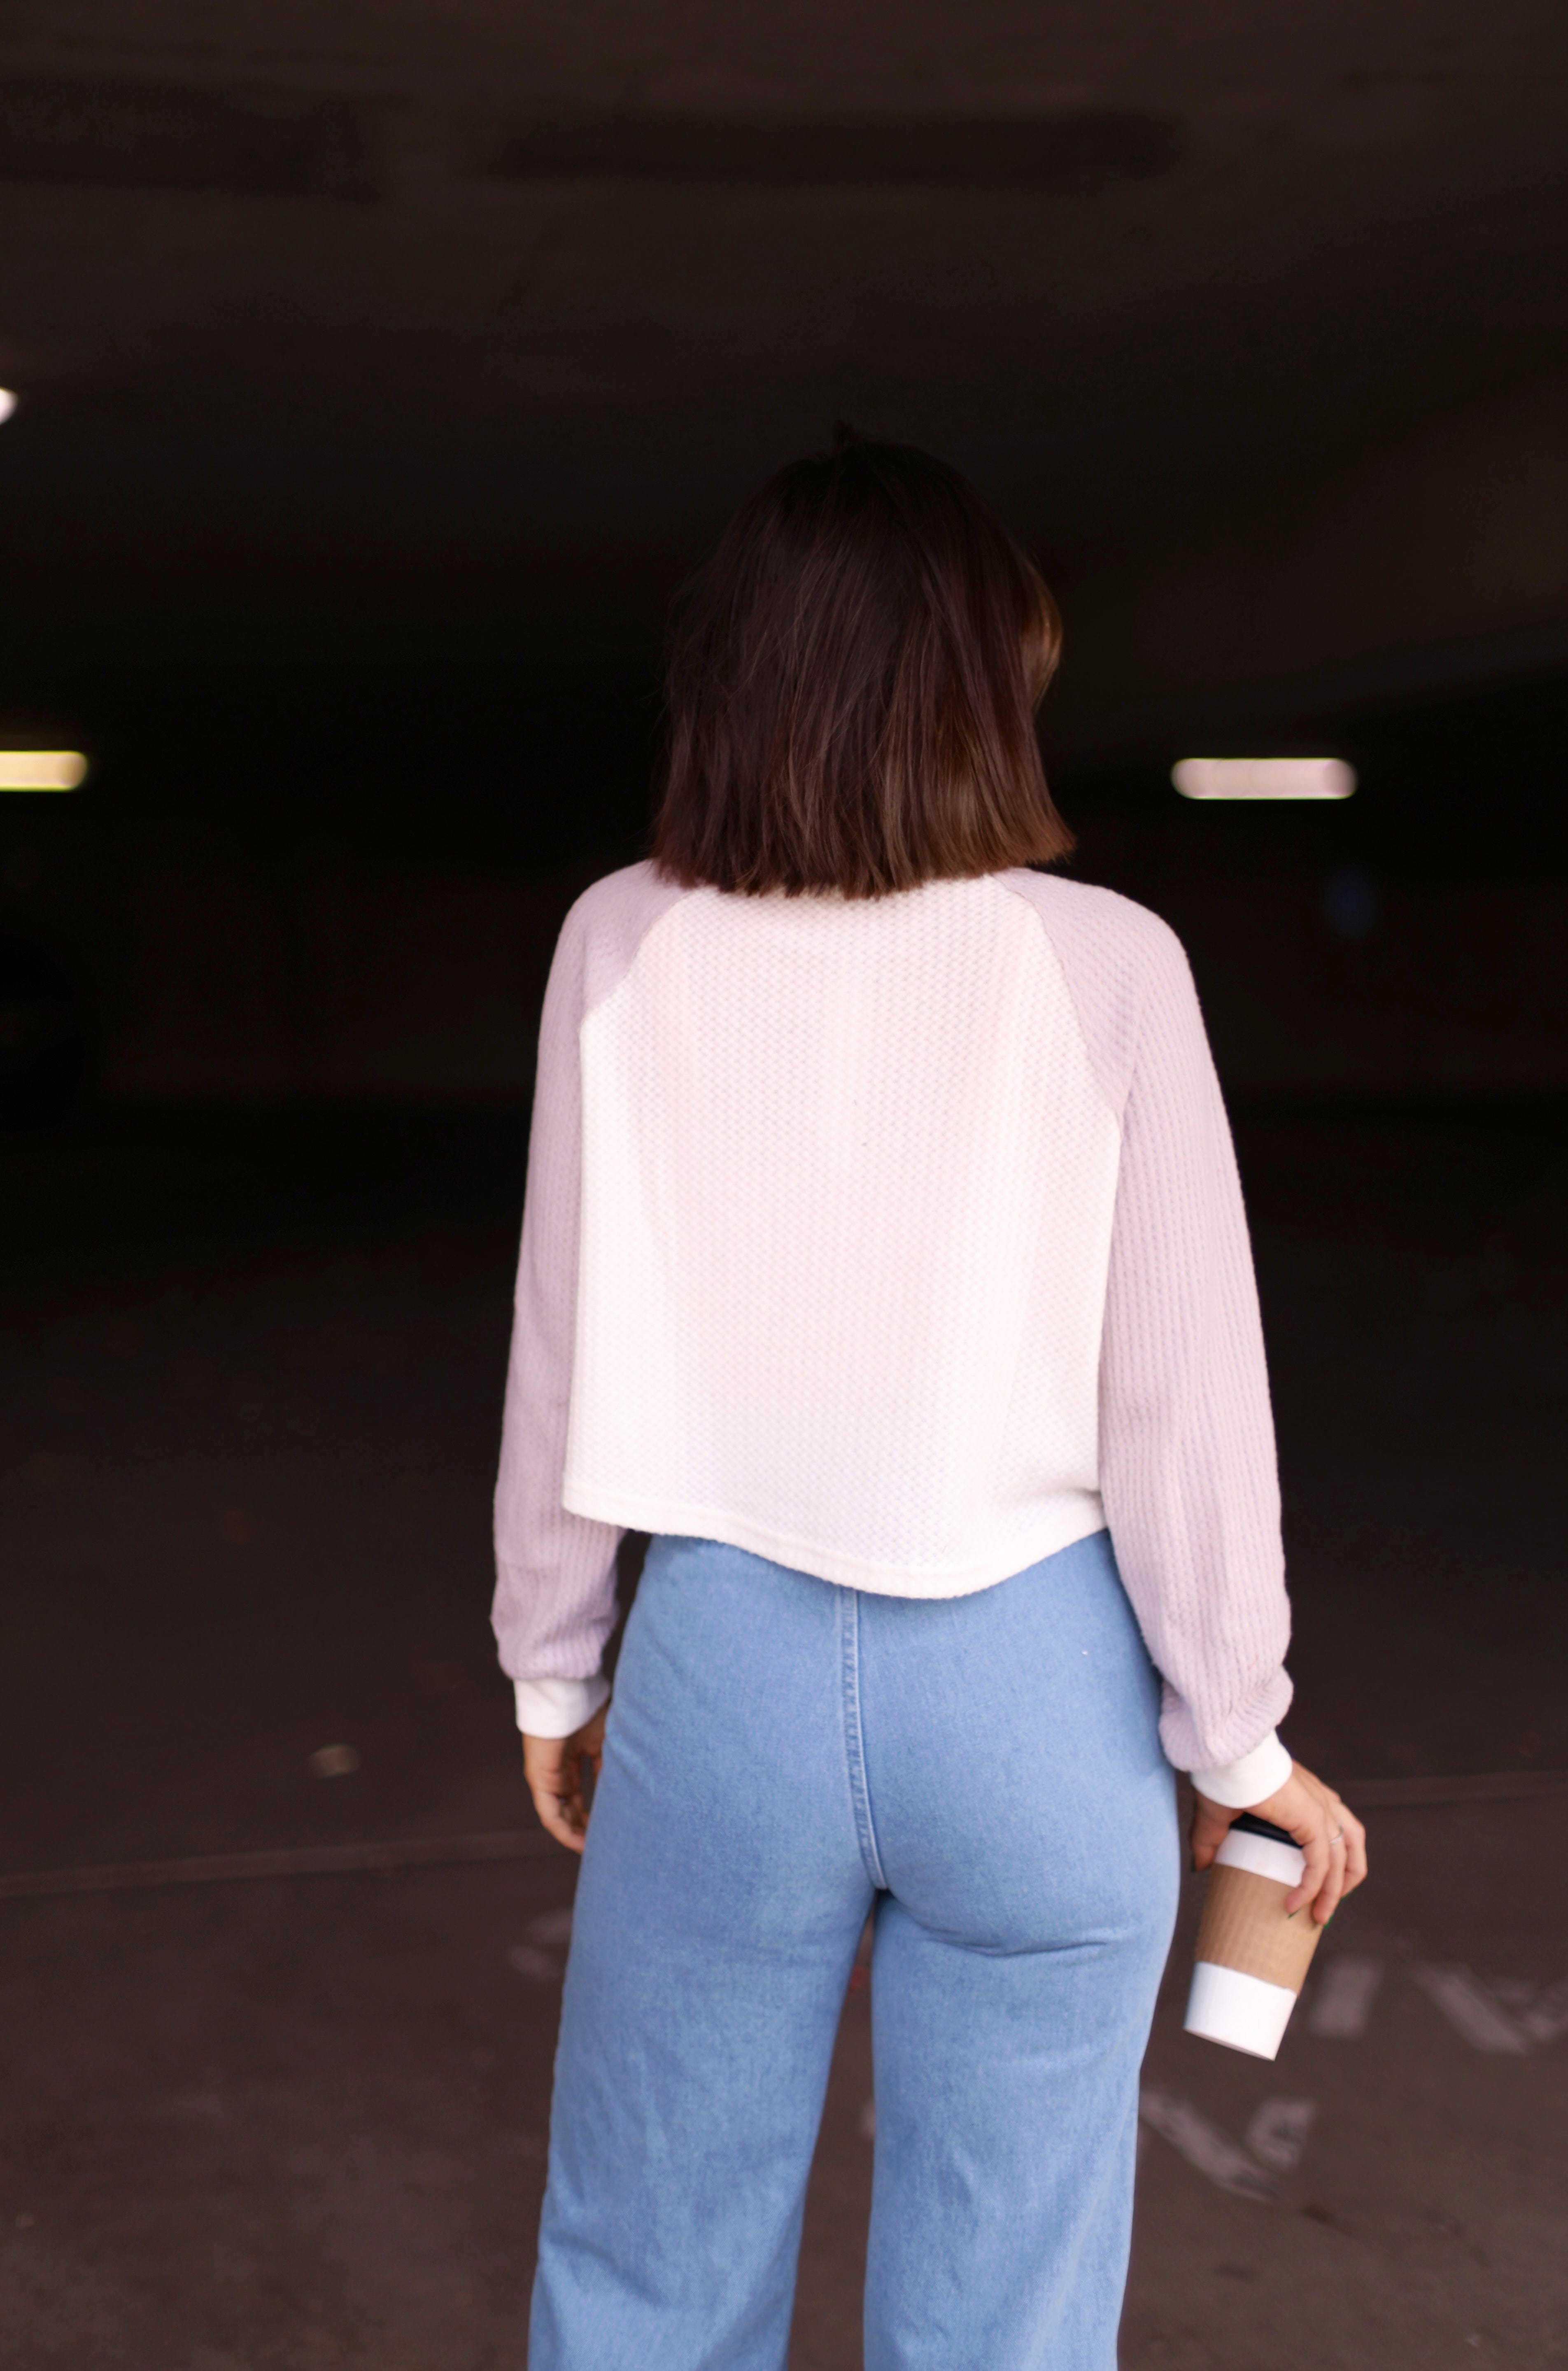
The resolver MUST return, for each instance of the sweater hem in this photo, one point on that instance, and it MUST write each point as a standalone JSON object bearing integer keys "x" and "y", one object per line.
{"x": 1077, "y": 1516}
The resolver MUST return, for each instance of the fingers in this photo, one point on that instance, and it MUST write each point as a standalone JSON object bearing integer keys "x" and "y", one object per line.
{"x": 1211, "y": 1825}
{"x": 1355, "y": 1849}
{"x": 553, "y": 1767}
{"x": 1333, "y": 1886}
{"x": 1313, "y": 1838}
{"x": 562, "y": 1817}
{"x": 1346, "y": 1841}
{"x": 1353, "y": 1846}
{"x": 1335, "y": 1849}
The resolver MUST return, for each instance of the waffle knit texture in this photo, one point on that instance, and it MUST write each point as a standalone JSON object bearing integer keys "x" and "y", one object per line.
{"x": 900, "y": 1241}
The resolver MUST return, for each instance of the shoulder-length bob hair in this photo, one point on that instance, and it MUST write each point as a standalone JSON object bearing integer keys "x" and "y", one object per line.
{"x": 851, "y": 685}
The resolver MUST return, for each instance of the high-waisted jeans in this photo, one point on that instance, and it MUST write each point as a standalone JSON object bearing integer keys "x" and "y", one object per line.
{"x": 782, "y": 1756}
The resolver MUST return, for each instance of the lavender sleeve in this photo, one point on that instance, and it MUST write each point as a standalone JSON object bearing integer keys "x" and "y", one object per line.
{"x": 1188, "y": 1470}
{"x": 555, "y": 1595}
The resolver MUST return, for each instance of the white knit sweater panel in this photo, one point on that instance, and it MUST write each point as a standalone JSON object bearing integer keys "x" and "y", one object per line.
{"x": 898, "y": 1241}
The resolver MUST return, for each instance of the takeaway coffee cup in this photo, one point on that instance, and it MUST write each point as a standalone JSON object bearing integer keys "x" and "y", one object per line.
{"x": 1251, "y": 1958}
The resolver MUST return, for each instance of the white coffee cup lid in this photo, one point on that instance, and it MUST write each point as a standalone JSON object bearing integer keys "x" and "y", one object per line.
{"x": 1263, "y": 1855}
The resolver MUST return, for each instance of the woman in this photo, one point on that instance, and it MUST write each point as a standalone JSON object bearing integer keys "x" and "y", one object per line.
{"x": 884, "y": 1259}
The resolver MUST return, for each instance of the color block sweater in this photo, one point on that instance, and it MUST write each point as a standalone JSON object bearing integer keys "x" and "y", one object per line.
{"x": 899, "y": 1240}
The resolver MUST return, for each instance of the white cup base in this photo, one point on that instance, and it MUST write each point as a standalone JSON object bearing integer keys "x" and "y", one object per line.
{"x": 1242, "y": 2012}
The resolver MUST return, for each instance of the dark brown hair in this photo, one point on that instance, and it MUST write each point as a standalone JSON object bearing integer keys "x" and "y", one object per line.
{"x": 851, "y": 686}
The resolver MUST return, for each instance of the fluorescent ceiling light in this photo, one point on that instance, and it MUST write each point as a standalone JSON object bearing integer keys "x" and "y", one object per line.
{"x": 7, "y": 404}
{"x": 41, "y": 770}
{"x": 1263, "y": 778}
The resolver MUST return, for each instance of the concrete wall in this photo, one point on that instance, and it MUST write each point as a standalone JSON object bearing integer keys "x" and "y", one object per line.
{"x": 1453, "y": 989}
{"x": 422, "y": 990}
{"x": 1439, "y": 559}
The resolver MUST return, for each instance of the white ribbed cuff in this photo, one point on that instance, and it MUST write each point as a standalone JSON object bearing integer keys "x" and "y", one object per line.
{"x": 557, "y": 1707}
{"x": 1239, "y": 1784}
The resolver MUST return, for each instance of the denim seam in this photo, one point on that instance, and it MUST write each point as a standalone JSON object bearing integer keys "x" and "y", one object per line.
{"x": 854, "y": 1739}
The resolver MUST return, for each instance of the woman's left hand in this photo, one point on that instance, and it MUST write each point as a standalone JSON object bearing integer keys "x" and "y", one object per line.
{"x": 1331, "y": 1836}
{"x": 553, "y": 1767}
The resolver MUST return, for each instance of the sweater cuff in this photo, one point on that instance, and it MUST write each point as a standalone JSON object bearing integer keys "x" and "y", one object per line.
{"x": 557, "y": 1707}
{"x": 1239, "y": 1784}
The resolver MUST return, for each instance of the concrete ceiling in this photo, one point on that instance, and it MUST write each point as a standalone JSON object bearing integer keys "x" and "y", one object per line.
{"x": 342, "y": 325}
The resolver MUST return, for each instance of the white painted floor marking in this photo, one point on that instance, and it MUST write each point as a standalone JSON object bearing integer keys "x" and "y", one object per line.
{"x": 1542, "y": 2010}
{"x": 1471, "y": 2010}
{"x": 1342, "y": 1997}
{"x": 1214, "y": 2153}
{"x": 1277, "y": 2134}
{"x": 543, "y": 1957}
{"x": 538, "y": 1966}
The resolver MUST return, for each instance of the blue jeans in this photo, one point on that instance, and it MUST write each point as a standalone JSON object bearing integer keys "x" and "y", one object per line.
{"x": 783, "y": 1755}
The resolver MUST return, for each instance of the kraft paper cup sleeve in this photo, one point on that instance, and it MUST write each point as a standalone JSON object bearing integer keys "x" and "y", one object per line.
{"x": 1245, "y": 1926}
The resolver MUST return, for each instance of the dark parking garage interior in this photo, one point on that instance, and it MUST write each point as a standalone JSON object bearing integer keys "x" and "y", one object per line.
{"x": 377, "y": 376}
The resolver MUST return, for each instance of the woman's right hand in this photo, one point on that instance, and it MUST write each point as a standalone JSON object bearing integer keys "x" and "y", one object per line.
{"x": 553, "y": 1767}
{"x": 1327, "y": 1831}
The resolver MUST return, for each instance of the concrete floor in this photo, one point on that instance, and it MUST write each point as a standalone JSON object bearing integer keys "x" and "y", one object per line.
{"x": 250, "y": 1389}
